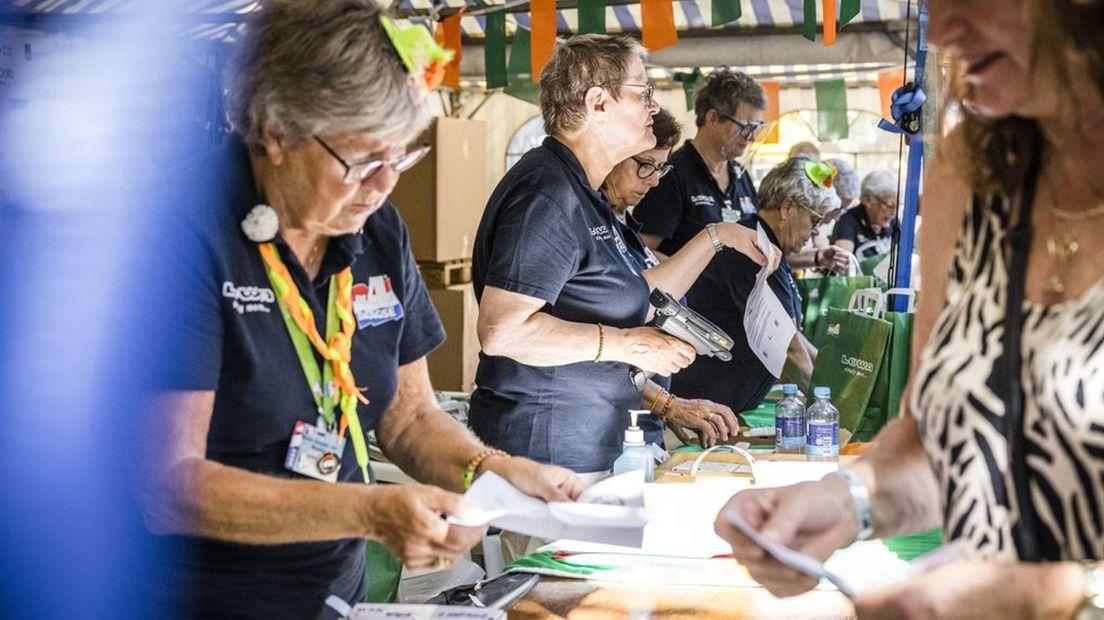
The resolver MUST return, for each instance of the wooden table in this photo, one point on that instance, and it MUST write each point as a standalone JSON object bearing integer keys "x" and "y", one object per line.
{"x": 581, "y": 600}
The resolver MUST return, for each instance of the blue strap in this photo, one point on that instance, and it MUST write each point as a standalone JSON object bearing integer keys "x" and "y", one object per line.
{"x": 905, "y": 104}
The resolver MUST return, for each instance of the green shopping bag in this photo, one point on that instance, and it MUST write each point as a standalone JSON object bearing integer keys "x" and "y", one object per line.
{"x": 820, "y": 294}
{"x": 885, "y": 401}
{"x": 383, "y": 571}
{"x": 849, "y": 360}
{"x": 877, "y": 266}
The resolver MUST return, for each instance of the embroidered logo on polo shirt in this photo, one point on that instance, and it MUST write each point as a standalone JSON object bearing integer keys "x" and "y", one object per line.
{"x": 702, "y": 200}
{"x": 375, "y": 303}
{"x": 601, "y": 233}
{"x": 248, "y": 298}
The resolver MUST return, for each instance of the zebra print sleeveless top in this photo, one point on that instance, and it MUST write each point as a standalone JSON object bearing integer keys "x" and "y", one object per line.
{"x": 961, "y": 418}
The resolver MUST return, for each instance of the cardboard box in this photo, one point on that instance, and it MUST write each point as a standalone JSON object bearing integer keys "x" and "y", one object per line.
{"x": 452, "y": 366}
{"x": 443, "y": 196}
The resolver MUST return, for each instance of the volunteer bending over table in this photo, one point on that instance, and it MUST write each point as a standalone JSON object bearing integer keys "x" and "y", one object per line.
{"x": 1006, "y": 454}
{"x": 794, "y": 199}
{"x": 258, "y": 451}
{"x": 868, "y": 229}
{"x": 629, "y": 181}
{"x": 561, "y": 303}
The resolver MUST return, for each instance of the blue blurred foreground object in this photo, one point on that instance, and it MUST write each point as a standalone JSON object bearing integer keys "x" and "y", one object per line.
{"x": 85, "y": 118}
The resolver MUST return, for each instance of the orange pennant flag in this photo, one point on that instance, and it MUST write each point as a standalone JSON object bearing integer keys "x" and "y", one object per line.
{"x": 658, "y": 24}
{"x": 542, "y": 40}
{"x": 448, "y": 37}
{"x": 829, "y": 22}
{"x": 774, "y": 111}
{"x": 889, "y": 81}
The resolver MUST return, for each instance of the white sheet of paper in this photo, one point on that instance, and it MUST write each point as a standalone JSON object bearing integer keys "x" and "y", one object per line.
{"x": 393, "y": 611}
{"x": 794, "y": 559}
{"x": 768, "y": 326}
{"x": 617, "y": 519}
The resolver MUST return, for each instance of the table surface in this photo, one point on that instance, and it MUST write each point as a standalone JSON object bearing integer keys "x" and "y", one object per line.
{"x": 582, "y": 600}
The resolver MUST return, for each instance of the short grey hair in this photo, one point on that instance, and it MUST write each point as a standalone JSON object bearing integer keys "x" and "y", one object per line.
{"x": 879, "y": 184}
{"x": 579, "y": 64}
{"x": 788, "y": 181}
{"x": 724, "y": 91}
{"x": 847, "y": 180}
{"x": 321, "y": 68}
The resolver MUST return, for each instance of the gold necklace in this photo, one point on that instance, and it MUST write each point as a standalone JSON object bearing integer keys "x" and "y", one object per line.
{"x": 1064, "y": 248}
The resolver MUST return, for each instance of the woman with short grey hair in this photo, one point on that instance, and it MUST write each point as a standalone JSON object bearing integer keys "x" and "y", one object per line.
{"x": 869, "y": 229}
{"x": 306, "y": 326}
{"x": 562, "y": 306}
{"x": 794, "y": 198}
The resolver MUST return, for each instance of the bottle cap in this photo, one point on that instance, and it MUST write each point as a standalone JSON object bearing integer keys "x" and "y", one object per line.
{"x": 822, "y": 391}
{"x": 789, "y": 389}
{"x": 634, "y": 434}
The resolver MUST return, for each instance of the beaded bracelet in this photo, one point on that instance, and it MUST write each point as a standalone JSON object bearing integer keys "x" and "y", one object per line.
{"x": 655, "y": 401}
{"x": 468, "y": 476}
{"x": 667, "y": 408}
{"x": 601, "y": 343}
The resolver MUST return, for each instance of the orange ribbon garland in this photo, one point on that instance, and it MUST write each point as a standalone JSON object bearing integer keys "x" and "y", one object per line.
{"x": 339, "y": 350}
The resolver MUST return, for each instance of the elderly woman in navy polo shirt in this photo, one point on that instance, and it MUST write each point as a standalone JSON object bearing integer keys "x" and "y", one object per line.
{"x": 562, "y": 304}
{"x": 306, "y": 326}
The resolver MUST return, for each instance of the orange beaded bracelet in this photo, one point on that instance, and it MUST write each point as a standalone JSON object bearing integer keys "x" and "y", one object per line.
{"x": 468, "y": 476}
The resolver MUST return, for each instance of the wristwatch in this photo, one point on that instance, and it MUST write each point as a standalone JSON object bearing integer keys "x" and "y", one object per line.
{"x": 1092, "y": 586}
{"x": 711, "y": 228}
{"x": 860, "y": 496}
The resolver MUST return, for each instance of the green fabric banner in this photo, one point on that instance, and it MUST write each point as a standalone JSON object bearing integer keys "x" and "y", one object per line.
{"x": 592, "y": 17}
{"x": 689, "y": 83}
{"x": 726, "y": 11}
{"x": 849, "y": 9}
{"x": 494, "y": 50}
{"x": 849, "y": 362}
{"x": 810, "y": 19}
{"x": 519, "y": 70}
{"x": 831, "y": 97}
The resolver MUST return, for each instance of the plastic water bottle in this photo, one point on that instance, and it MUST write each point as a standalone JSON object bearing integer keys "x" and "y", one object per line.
{"x": 789, "y": 422}
{"x": 822, "y": 439}
{"x": 635, "y": 454}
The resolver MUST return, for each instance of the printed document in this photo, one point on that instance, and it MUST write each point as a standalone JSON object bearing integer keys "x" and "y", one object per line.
{"x": 769, "y": 328}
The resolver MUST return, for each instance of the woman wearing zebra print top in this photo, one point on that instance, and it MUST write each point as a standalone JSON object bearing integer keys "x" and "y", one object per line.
{"x": 1030, "y": 89}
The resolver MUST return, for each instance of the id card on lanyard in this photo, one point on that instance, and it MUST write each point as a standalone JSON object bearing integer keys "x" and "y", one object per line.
{"x": 315, "y": 448}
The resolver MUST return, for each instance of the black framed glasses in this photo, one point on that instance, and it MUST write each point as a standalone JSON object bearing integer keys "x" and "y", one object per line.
{"x": 748, "y": 129}
{"x": 361, "y": 171}
{"x": 645, "y": 168}
{"x": 649, "y": 91}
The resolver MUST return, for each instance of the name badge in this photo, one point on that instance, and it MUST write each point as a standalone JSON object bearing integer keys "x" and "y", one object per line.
{"x": 728, "y": 214}
{"x": 314, "y": 451}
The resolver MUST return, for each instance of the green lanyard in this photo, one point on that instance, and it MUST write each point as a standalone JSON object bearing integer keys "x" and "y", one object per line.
{"x": 320, "y": 380}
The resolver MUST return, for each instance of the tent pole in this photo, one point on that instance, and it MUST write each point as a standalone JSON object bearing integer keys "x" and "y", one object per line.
{"x": 902, "y": 277}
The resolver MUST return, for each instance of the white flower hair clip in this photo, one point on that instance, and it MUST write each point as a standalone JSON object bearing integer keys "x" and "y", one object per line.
{"x": 261, "y": 224}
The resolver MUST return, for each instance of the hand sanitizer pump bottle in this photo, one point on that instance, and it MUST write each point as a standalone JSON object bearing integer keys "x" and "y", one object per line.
{"x": 635, "y": 454}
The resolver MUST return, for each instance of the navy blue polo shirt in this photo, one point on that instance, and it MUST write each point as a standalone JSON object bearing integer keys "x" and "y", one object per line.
{"x": 720, "y": 295}
{"x": 238, "y": 346}
{"x": 854, "y": 226}
{"x": 688, "y": 198}
{"x": 547, "y": 234}
{"x": 644, "y": 259}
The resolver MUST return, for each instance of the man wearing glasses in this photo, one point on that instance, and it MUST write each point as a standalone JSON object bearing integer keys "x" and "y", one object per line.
{"x": 868, "y": 230}
{"x": 706, "y": 184}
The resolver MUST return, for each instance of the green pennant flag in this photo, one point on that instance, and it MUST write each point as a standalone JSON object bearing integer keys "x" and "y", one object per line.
{"x": 849, "y": 9}
{"x": 831, "y": 97}
{"x": 494, "y": 50}
{"x": 810, "y": 19}
{"x": 726, "y": 11}
{"x": 519, "y": 70}
{"x": 592, "y": 16}
{"x": 689, "y": 83}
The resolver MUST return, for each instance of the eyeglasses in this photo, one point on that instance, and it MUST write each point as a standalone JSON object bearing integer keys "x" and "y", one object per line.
{"x": 645, "y": 168}
{"x": 359, "y": 172}
{"x": 817, "y": 218}
{"x": 649, "y": 91}
{"x": 888, "y": 206}
{"x": 748, "y": 129}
